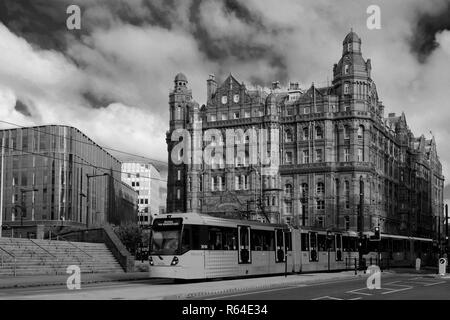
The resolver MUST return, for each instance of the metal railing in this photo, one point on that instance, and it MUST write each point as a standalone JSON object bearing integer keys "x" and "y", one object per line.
{"x": 37, "y": 244}
{"x": 12, "y": 255}
{"x": 61, "y": 237}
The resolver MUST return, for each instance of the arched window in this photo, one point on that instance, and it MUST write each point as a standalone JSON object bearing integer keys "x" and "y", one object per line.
{"x": 288, "y": 135}
{"x": 360, "y": 132}
{"x": 319, "y": 133}
{"x": 346, "y": 68}
{"x": 288, "y": 189}
{"x": 305, "y": 133}
{"x": 346, "y": 132}
{"x": 179, "y": 111}
{"x": 305, "y": 192}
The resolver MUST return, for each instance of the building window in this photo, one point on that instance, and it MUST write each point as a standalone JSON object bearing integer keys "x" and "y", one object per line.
{"x": 290, "y": 111}
{"x": 288, "y": 135}
{"x": 319, "y": 157}
{"x": 288, "y": 157}
{"x": 347, "y": 222}
{"x": 224, "y": 116}
{"x": 346, "y": 88}
{"x": 346, "y": 154}
{"x": 346, "y": 67}
{"x": 178, "y": 194}
{"x": 320, "y": 222}
{"x": 178, "y": 175}
{"x": 288, "y": 207}
{"x": 347, "y": 194}
{"x": 213, "y": 118}
{"x": 360, "y": 132}
{"x": 189, "y": 184}
{"x": 288, "y": 190}
{"x": 360, "y": 155}
{"x": 320, "y": 189}
{"x": 320, "y": 204}
{"x": 305, "y": 156}
{"x": 236, "y": 115}
{"x": 319, "y": 133}
{"x": 246, "y": 114}
{"x": 305, "y": 133}
{"x": 346, "y": 132}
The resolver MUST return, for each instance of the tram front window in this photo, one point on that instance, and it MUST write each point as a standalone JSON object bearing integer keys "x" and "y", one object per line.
{"x": 165, "y": 241}
{"x": 166, "y": 236}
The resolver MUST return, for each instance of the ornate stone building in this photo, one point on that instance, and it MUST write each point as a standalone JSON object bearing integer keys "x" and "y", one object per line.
{"x": 338, "y": 154}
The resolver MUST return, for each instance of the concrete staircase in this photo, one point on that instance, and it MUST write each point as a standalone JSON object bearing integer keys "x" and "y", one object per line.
{"x": 45, "y": 257}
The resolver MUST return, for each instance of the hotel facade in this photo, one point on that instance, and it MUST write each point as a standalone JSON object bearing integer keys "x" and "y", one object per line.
{"x": 339, "y": 155}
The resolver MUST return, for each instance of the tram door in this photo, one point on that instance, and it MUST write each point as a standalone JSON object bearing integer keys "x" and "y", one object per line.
{"x": 279, "y": 245}
{"x": 313, "y": 246}
{"x": 338, "y": 247}
{"x": 244, "y": 254}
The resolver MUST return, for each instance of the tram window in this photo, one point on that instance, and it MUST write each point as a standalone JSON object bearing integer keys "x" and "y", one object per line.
{"x": 215, "y": 239}
{"x": 322, "y": 242}
{"x": 313, "y": 241}
{"x": 353, "y": 244}
{"x": 305, "y": 242}
{"x": 230, "y": 242}
{"x": 196, "y": 234}
{"x": 338, "y": 242}
{"x": 279, "y": 234}
{"x": 269, "y": 241}
{"x": 288, "y": 241}
{"x": 346, "y": 243}
{"x": 257, "y": 243}
{"x": 186, "y": 240}
{"x": 332, "y": 244}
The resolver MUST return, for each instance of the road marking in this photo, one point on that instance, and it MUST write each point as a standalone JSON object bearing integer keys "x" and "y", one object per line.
{"x": 353, "y": 291}
{"x": 358, "y": 298}
{"x": 327, "y": 297}
{"x": 432, "y": 284}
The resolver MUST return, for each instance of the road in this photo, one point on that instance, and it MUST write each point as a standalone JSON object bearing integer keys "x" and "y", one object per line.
{"x": 393, "y": 287}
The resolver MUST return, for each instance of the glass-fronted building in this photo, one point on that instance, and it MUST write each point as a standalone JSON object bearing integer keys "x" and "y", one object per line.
{"x": 44, "y": 178}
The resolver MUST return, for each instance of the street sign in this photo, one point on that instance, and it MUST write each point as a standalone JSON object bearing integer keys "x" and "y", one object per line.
{"x": 442, "y": 266}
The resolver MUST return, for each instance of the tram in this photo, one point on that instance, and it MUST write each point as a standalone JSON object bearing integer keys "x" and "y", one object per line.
{"x": 197, "y": 246}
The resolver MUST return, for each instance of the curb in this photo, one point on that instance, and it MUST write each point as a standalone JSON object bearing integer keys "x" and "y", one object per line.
{"x": 198, "y": 294}
{"x": 56, "y": 283}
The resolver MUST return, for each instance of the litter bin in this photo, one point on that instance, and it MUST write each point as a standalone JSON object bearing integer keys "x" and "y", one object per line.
{"x": 442, "y": 266}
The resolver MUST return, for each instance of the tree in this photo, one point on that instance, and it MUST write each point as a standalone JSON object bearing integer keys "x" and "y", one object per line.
{"x": 130, "y": 234}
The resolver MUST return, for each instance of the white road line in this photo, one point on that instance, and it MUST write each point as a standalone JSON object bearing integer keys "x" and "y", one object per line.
{"x": 432, "y": 284}
{"x": 365, "y": 294}
{"x": 358, "y": 298}
{"x": 327, "y": 297}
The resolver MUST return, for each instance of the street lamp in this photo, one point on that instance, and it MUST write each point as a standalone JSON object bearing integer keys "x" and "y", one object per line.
{"x": 88, "y": 216}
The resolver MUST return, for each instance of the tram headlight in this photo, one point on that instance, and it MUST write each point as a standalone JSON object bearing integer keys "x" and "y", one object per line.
{"x": 150, "y": 260}
{"x": 174, "y": 261}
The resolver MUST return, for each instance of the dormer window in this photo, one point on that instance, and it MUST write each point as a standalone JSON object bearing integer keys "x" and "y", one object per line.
{"x": 346, "y": 69}
{"x": 349, "y": 46}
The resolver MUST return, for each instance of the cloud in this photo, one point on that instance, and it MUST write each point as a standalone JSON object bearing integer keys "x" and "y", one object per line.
{"x": 117, "y": 71}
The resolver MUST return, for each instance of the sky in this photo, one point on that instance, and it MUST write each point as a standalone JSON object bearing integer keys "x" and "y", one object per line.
{"x": 111, "y": 79}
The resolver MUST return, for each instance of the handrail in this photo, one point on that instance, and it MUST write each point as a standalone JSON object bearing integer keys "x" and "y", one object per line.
{"x": 8, "y": 252}
{"x": 14, "y": 258}
{"x": 57, "y": 237}
{"x": 44, "y": 249}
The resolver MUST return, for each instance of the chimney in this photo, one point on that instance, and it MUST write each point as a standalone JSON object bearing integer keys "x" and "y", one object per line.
{"x": 211, "y": 87}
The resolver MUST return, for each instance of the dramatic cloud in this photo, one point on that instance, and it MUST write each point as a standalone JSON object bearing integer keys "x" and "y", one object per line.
{"x": 111, "y": 79}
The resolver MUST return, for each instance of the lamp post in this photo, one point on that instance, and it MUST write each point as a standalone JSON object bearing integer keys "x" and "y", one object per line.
{"x": 88, "y": 196}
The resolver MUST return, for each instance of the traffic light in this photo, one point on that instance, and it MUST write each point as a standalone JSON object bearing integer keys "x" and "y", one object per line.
{"x": 377, "y": 235}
